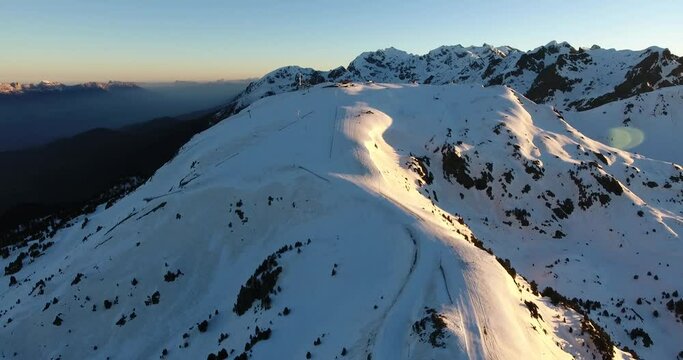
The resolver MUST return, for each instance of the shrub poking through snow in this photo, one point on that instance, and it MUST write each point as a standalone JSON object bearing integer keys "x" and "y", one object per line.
{"x": 154, "y": 299}
{"x": 533, "y": 309}
{"x": 170, "y": 277}
{"x": 77, "y": 279}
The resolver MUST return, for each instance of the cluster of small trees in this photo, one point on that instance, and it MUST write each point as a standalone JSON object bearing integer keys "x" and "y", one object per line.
{"x": 263, "y": 282}
{"x": 221, "y": 355}
{"x": 640, "y": 333}
{"x": 676, "y": 307}
{"x": 505, "y": 263}
{"x": 601, "y": 339}
{"x": 259, "y": 286}
{"x": 520, "y": 214}
{"x": 16, "y": 265}
{"x": 579, "y": 305}
{"x": 259, "y": 335}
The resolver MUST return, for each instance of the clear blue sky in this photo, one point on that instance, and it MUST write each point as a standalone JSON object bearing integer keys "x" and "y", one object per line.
{"x": 158, "y": 40}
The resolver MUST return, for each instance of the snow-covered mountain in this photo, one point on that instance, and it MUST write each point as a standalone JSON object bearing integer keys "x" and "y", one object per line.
{"x": 556, "y": 74}
{"x": 569, "y": 79}
{"x": 368, "y": 221}
{"x": 650, "y": 124}
{"x": 50, "y": 87}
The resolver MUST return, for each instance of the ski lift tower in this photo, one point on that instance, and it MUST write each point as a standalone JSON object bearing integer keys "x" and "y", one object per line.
{"x": 299, "y": 81}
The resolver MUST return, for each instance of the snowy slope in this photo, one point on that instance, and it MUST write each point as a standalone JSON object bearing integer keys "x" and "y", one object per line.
{"x": 363, "y": 215}
{"x": 650, "y": 124}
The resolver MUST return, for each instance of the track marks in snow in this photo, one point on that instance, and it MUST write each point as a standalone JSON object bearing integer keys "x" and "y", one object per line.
{"x": 382, "y": 326}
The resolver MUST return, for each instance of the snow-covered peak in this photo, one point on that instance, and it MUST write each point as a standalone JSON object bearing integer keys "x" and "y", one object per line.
{"x": 557, "y": 73}
{"x": 656, "y": 49}
{"x": 42, "y": 86}
{"x": 556, "y": 44}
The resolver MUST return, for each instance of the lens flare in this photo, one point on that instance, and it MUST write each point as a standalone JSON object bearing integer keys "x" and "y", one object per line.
{"x": 625, "y": 137}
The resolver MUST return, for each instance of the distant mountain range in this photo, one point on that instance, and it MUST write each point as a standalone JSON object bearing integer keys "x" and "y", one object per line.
{"x": 49, "y": 87}
{"x": 34, "y": 114}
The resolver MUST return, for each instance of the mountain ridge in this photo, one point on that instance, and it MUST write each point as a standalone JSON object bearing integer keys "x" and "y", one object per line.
{"x": 49, "y": 87}
{"x": 555, "y": 73}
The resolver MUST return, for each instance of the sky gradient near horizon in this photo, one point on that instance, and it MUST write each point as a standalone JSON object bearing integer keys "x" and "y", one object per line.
{"x": 165, "y": 40}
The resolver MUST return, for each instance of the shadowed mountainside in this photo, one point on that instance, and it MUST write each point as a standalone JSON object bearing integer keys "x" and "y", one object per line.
{"x": 63, "y": 176}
